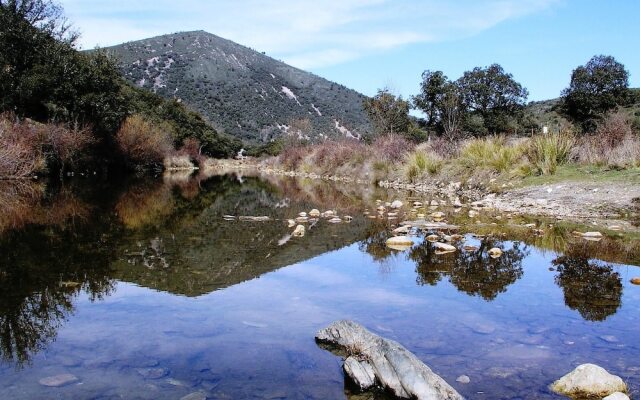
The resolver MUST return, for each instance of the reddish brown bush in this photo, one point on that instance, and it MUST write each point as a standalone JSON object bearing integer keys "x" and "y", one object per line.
{"x": 292, "y": 156}
{"x": 191, "y": 148}
{"x": 392, "y": 147}
{"x": 20, "y": 148}
{"x": 330, "y": 155}
{"x": 142, "y": 142}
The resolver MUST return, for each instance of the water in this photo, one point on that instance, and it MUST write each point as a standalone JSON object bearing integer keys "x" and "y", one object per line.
{"x": 144, "y": 291}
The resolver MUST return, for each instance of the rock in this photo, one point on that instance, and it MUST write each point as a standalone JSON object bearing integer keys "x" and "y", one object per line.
{"x": 360, "y": 372}
{"x": 617, "y": 396}
{"x": 468, "y": 247}
{"x": 635, "y": 280}
{"x": 589, "y": 380}
{"x": 395, "y": 368}
{"x": 443, "y": 247}
{"x": 457, "y": 203}
{"x": 299, "y": 231}
{"x": 335, "y": 220}
{"x": 399, "y": 243}
{"x": 433, "y": 238}
{"x": 473, "y": 213}
{"x": 195, "y": 396}
{"x": 291, "y": 223}
{"x": 302, "y": 214}
{"x": 315, "y": 213}
{"x": 463, "y": 379}
{"x": 495, "y": 252}
{"x": 402, "y": 229}
{"x": 396, "y": 204}
{"x": 348, "y": 218}
{"x": 58, "y": 380}
{"x": 420, "y": 216}
{"x": 302, "y": 220}
{"x": 417, "y": 204}
{"x": 437, "y": 215}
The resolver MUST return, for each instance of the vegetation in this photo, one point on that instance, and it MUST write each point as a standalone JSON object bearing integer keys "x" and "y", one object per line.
{"x": 82, "y": 97}
{"x": 596, "y": 88}
{"x": 388, "y": 113}
{"x": 242, "y": 92}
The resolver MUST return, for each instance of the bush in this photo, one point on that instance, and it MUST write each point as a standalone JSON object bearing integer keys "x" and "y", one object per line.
{"x": 143, "y": 143}
{"x": 330, "y": 155}
{"x": 614, "y": 144}
{"x": 545, "y": 152}
{"x": 391, "y": 147}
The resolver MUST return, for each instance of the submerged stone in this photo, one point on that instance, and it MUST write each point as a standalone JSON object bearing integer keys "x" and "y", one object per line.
{"x": 58, "y": 380}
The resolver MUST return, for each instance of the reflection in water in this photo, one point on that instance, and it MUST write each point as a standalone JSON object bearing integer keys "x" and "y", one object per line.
{"x": 170, "y": 236}
{"x": 591, "y": 287}
{"x": 473, "y": 272}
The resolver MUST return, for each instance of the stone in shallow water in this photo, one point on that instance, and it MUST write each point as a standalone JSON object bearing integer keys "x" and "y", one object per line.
{"x": 152, "y": 373}
{"x": 360, "y": 372}
{"x": 58, "y": 380}
{"x": 195, "y": 396}
{"x": 609, "y": 338}
{"x": 463, "y": 379}
{"x": 589, "y": 380}
{"x": 617, "y": 396}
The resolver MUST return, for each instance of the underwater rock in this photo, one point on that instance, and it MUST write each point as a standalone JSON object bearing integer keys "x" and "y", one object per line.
{"x": 395, "y": 368}
{"x": 589, "y": 380}
{"x": 58, "y": 380}
{"x": 444, "y": 247}
{"x": 463, "y": 379}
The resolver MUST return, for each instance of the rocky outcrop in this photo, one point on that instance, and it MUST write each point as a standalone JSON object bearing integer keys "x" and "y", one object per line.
{"x": 589, "y": 380}
{"x": 394, "y": 368}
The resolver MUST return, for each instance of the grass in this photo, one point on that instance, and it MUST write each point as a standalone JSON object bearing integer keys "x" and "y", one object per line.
{"x": 584, "y": 173}
{"x": 493, "y": 153}
{"x": 419, "y": 162}
{"x": 547, "y": 151}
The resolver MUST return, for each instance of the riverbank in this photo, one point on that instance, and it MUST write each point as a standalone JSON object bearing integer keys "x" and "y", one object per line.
{"x": 604, "y": 198}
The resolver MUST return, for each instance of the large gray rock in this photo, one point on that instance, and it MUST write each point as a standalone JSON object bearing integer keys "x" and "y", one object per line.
{"x": 361, "y": 372}
{"x": 617, "y": 396}
{"x": 394, "y": 367}
{"x": 589, "y": 380}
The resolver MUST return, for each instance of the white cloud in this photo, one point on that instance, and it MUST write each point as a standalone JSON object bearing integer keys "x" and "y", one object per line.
{"x": 305, "y": 33}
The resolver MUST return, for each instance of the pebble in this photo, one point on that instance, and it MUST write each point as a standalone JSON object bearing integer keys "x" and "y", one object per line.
{"x": 58, "y": 380}
{"x": 463, "y": 379}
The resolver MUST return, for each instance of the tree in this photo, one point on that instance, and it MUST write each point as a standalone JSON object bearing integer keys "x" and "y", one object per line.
{"x": 493, "y": 95}
{"x": 388, "y": 113}
{"x": 595, "y": 88}
{"x": 432, "y": 92}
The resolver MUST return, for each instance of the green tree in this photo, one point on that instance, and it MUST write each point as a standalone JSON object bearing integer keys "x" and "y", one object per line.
{"x": 595, "y": 88}
{"x": 431, "y": 97}
{"x": 388, "y": 113}
{"x": 493, "y": 95}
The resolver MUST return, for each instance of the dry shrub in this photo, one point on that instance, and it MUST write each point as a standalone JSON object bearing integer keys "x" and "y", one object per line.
{"x": 192, "y": 149}
{"x": 292, "y": 156}
{"x": 614, "y": 144}
{"x": 21, "y": 153}
{"x": 330, "y": 155}
{"x": 391, "y": 147}
{"x": 444, "y": 148}
{"x": 67, "y": 144}
{"x": 142, "y": 142}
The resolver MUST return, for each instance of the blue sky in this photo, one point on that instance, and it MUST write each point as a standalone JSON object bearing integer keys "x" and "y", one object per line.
{"x": 368, "y": 44}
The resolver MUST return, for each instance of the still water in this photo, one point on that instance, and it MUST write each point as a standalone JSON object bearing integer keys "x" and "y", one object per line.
{"x": 144, "y": 291}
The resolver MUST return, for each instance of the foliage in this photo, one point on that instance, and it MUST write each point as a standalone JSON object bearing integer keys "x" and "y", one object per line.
{"x": 388, "y": 113}
{"x": 595, "y": 88}
{"x": 614, "y": 143}
{"x": 419, "y": 162}
{"x": 142, "y": 142}
{"x": 492, "y": 94}
{"x": 546, "y": 151}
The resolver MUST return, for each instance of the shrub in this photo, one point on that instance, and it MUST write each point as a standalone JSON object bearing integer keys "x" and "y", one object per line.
{"x": 178, "y": 162}
{"x": 142, "y": 142}
{"x": 329, "y": 155}
{"x": 545, "y": 152}
{"x": 291, "y": 157}
{"x": 614, "y": 144}
{"x": 391, "y": 147}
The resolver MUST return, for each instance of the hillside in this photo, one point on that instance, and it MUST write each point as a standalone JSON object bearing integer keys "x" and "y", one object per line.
{"x": 240, "y": 91}
{"x": 547, "y": 113}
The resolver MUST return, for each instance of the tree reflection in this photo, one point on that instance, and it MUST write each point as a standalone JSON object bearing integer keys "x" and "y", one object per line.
{"x": 41, "y": 273}
{"x": 592, "y": 288}
{"x": 473, "y": 272}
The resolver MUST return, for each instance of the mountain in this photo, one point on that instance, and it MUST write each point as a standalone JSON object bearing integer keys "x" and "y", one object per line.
{"x": 240, "y": 91}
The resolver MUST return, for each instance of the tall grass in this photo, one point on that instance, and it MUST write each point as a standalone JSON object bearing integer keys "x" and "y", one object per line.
{"x": 494, "y": 154}
{"x": 546, "y": 152}
{"x": 614, "y": 144}
{"x": 420, "y": 162}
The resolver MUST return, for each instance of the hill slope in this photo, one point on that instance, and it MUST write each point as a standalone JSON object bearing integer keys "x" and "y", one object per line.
{"x": 240, "y": 91}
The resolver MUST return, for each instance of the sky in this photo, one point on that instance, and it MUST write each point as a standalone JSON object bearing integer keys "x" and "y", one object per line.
{"x": 369, "y": 44}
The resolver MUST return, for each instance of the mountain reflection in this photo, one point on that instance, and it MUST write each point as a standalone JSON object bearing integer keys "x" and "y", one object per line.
{"x": 473, "y": 272}
{"x": 591, "y": 287}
